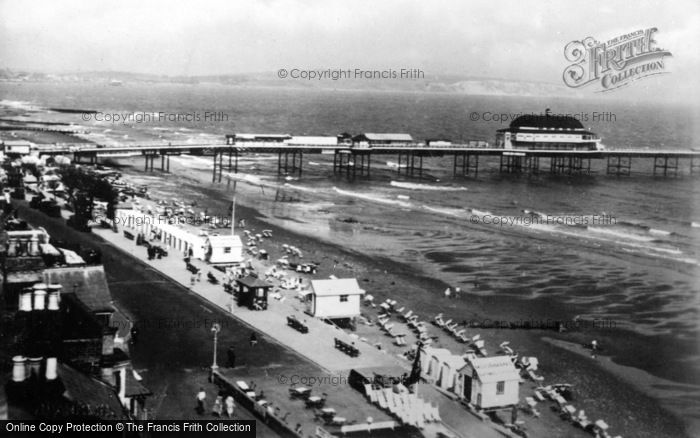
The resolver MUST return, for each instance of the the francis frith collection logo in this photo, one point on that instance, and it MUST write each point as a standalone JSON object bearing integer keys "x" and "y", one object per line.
{"x": 614, "y": 63}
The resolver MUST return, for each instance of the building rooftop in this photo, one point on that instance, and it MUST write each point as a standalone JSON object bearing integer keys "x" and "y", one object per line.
{"x": 547, "y": 121}
{"x": 251, "y": 281}
{"x": 385, "y": 137}
{"x": 226, "y": 240}
{"x": 82, "y": 388}
{"x": 493, "y": 369}
{"x": 89, "y": 283}
{"x": 340, "y": 286}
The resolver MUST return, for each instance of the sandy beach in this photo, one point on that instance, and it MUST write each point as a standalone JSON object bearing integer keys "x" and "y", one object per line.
{"x": 629, "y": 406}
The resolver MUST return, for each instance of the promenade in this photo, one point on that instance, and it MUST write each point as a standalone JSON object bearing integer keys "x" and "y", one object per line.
{"x": 316, "y": 346}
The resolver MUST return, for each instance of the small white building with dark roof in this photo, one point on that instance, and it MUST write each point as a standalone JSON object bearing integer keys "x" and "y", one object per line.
{"x": 489, "y": 382}
{"x": 337, "y": 298}
{"x": 370, "y": 139}
{"x": 227, "y": 249}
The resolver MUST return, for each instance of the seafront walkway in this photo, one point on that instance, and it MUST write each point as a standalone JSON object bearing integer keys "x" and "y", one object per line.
{"x": 317, "y": 345}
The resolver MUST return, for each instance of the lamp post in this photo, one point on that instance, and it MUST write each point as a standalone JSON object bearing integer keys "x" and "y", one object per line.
{"x": 216, "y": 328}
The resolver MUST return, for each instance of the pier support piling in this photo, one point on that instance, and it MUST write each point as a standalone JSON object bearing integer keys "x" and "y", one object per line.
{"x": 291, "y": 164}
{"x": 619, "y": 165}
{"x": 666, "y": 165}
{"x": 149, "y": 160}
{"x": 465, "y": 162}
{"x": 694, "y": 165}
{"x": 414, "y": 163}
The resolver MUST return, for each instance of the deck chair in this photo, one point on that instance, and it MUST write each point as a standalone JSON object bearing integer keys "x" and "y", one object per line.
{"x": 400, "y": 340}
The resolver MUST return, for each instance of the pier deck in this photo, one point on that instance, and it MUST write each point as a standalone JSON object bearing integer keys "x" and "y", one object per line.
{"x": 355, "y": 161}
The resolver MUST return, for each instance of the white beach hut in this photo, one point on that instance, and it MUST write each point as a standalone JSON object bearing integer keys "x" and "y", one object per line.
{"x": 334, "y": 299}
{"x": 441, "y": 367}
{"x": 489, "y": 382}
{"x": 224, "y": 249}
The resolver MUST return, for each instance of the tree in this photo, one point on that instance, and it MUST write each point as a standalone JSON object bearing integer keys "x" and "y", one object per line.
{"x": 84, "y": 188}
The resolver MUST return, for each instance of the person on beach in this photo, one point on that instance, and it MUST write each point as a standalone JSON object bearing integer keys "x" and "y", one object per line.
{"x": 457, "y": 292}
{"x": 253, "y": 339}
{"x": 448, "y": 293}
{"x": 201, "y": 396}
{"x": 230, "y": 406}
{"x": 231, "y": 357}
{"x": 218, "y": 406}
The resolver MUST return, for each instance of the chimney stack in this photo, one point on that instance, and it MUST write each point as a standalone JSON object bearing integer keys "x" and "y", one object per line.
{"x": 51, "y": 364}
{"x": 19, "y": 372}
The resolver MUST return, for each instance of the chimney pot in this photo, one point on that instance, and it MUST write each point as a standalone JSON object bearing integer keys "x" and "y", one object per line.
{"x": 34, "y": 366}
{"x": 34, "y": 245}
{"x": 39, "y": 299}
{"x": 51, "y": 364}
{"x": 19, "y": 372}
{"x": 54, "y": 296}
{"x": 25, "y": 300}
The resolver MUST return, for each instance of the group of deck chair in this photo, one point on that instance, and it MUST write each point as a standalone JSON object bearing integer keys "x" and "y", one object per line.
{"x": 409, "y": 408}
{"x": 527, "y": 365}
{"x": 460, "y": 334}
{"x": 567, "y": 411}
{"x": 411, "y": 319}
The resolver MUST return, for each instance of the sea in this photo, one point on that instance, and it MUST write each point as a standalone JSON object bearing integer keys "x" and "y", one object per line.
{"x": 621, "y": 250}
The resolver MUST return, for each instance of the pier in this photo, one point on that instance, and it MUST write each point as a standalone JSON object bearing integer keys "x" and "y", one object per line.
{"x": 356, "y": 161}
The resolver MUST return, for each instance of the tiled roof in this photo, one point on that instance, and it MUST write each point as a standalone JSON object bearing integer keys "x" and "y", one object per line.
{"x": 251, "y": 281}
{"x": 89, "y": 283}
{"x": 133, "y": 386}
{"x": 82, "y": 388}
{"x": 340, "y": 286}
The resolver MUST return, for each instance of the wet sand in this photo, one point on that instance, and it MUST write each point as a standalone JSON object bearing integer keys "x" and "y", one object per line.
{"x": 622, "y": 404}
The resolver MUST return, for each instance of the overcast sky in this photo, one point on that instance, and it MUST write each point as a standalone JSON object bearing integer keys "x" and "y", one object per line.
{"x": 507, "y": 39}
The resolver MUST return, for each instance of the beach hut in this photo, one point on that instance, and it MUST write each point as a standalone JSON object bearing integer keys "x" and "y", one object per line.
{"x": 182, "y": 239}
{"x": 252, "y": 292}
{"x": 224, "y": 249}
{"x": 441, "y": 367}
{"x": 489, "y": 383}
{"x": 337, "y": 298}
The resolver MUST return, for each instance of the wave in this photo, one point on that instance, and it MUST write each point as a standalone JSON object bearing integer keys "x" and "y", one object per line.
{"x": 480, "y": 212}
{"x": 415, "y": 186}
{"x": 456, "y": 212}
{"x": 620, "y": 234}
{"x": 659, "y": 232}
{"x": 394, "y": 165}
{"x": 373, "y": 198}
{"x": 300, "y": 188}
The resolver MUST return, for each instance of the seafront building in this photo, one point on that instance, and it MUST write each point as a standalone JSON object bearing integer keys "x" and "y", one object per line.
{"x": 69, "y": 357}
{"x": 337, "y": 298}
{"x": 547, "y": 132}
{"x": 488, "y": 383}
{"x": 189, "y": 241}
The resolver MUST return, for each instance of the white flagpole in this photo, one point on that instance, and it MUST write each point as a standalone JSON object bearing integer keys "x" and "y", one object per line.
{"x": 233, "y": 208}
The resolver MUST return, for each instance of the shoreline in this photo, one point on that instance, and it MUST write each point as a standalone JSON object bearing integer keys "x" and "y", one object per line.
{"x": 385, "y": 276}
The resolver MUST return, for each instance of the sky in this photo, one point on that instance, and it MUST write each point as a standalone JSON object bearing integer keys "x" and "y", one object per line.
{"x": 522, "y": 40}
